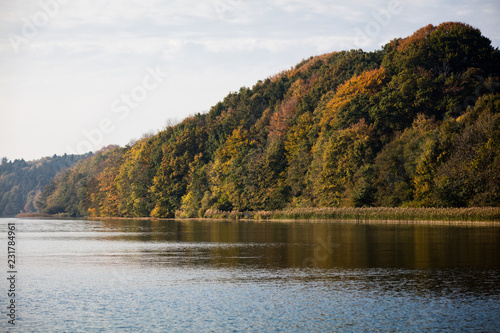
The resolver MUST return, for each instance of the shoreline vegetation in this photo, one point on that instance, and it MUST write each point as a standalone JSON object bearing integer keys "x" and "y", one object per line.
{"x": 358, "y": 214}
{"x": 471, "y": 214}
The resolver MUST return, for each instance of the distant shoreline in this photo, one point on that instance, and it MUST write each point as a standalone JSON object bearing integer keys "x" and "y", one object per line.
{"x": 354, "y": 221}
{"x": 35, "y": 215}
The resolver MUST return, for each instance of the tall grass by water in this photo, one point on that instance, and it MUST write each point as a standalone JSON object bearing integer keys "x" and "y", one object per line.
{"x": 480, "y": 214}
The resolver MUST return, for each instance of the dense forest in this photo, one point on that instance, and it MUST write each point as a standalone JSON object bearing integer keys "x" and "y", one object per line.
{"x": 21, "y": 182}
{"x": 415, "y": 124}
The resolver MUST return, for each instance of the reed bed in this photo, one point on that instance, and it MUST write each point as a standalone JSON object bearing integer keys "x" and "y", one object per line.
{"x": 472, "y": 214}
{"x": 39, "y": 215}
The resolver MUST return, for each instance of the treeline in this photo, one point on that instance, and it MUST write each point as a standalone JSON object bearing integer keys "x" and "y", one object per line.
{"x": 415, "y": 124}
{"x": 21, "y": 182}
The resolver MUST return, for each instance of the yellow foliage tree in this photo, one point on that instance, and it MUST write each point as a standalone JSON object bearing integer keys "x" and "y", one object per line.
{"x": 368, "y": 83}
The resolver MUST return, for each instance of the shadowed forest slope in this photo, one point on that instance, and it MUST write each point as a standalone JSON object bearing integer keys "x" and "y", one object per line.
{"x": 21, "y": 182}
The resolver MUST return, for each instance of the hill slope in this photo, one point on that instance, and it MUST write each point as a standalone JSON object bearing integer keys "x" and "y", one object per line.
{"x": 413, "y": 124}
{"x": 21, "y": 182}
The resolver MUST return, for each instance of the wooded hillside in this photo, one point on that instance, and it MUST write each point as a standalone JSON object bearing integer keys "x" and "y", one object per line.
{"x": 415, "y": 124}
{"x": 21, "y": 182}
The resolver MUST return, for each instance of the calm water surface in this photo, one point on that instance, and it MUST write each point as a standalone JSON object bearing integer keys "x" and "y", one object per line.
{"x": 199, "y": 276}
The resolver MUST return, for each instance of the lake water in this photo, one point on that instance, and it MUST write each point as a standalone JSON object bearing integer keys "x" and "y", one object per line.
{"x": 206, "y": 276}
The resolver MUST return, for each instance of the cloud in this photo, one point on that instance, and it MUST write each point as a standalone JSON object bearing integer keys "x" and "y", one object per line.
{"x": 273, "y": 45}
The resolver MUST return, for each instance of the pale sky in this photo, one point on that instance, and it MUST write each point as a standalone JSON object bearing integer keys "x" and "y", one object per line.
{"x": 78, "y": 75}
